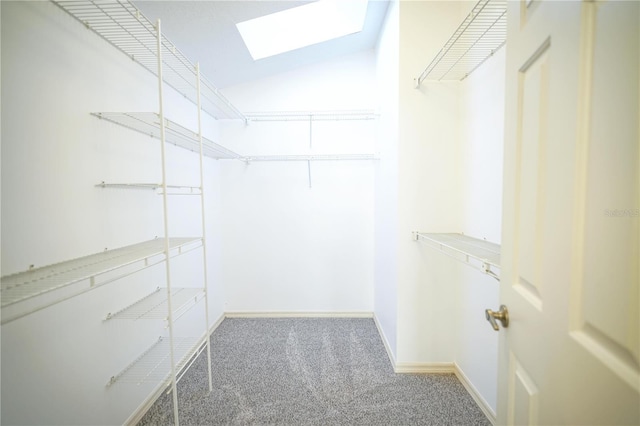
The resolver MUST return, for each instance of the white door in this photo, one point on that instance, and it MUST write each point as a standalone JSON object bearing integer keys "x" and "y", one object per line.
{"x": 570, "y": 249}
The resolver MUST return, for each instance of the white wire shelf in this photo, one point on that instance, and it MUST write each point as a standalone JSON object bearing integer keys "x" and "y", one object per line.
{"x": 148, "y": 123}
{"x": 473, "y": 251}
{"x": 155, "y": 187}
{"x": 121, "y": 24}
{"x": 479, "y": 36}
{"x": 154, "y": 365}
{"x": 345, "y": 115}
{"x": 38, "y": 281}
{"x": 155, "y": 305}
{"x": 336, "y": 157}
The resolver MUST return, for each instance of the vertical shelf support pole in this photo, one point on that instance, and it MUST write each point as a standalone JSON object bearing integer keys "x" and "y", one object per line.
{"x": 310, "y": 131}
{"x": 204, "y": 234}
{"x": 166, "y": 230}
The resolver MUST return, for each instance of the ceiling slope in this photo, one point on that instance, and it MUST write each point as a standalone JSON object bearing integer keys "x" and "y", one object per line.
{"x": 205, "y": 31}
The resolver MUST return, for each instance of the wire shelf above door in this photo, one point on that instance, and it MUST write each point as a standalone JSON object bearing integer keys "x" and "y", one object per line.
{"x": 148, "y": 123}
{"x": 477, "y": 38}
{"x": 475, "y": 252}
{"x": 121, "y": 24}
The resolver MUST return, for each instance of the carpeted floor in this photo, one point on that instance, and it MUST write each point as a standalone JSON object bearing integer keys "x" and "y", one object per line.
{"x": 310, "y": 371}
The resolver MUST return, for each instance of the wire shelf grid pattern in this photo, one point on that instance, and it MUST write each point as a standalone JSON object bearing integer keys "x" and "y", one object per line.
{"x": 330, "y": 157}
{"x": 34, "y": 282}
{"x": 148, "y": 123}
{"x": 486, "y": 252}
{"x": 155, "y": 305}
{"x": 312, "y": 115}
{"x": 154, "y": 365}
{"x": 479, "y": 36}
{"x": 121, "y": 24}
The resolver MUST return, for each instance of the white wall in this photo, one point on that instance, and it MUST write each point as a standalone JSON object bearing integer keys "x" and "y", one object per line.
{"x": 343, "y": 245}
{"x": 482, "y": 139}
{"x": 449, "y": 179}
{"x": 289, "y": 247}
{"x": 428, "y": 185}
{"x": 386, "y": 183}
{"x": 56, "y": 362}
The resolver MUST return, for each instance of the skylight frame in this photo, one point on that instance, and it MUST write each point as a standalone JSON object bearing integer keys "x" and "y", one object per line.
{"x": 302, "y": 26}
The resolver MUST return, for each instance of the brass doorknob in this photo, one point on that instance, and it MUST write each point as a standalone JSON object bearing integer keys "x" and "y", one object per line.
{"x": 502, "y": 315}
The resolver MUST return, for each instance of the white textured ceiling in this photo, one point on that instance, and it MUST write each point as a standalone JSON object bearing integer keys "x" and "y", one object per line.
{"x": 205, "y": 32}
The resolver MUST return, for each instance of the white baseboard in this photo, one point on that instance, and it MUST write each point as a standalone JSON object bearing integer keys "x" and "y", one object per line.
{"x": 216, "y": 324}
{"x": 449, "y": 367}
{"x": 424, "y": 367}
{"x": 392, "y": 358}
{"x": 137, "y": 415}
{"x": 477, "y": 397}
{"x": 292, "y": 314}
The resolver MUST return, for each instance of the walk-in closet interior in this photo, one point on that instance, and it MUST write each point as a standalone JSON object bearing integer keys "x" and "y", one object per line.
{"x": 152, "y": 187}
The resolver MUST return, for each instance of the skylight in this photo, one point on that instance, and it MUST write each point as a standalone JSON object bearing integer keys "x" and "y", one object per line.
{"x": 302, "y": 26}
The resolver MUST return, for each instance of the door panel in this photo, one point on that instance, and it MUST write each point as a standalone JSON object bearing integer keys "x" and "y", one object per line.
{"x": 606, "y": 322}
{"x": 523, "y": 397}
{"x": 571, "y": 200}
{"x": 533, "y": 87}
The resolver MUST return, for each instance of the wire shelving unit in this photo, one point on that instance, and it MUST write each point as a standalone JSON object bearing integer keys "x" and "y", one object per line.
{"x": 155, "y": 305}
{"x": 38, "y": 281}
{"x": 475, "y": 252}
{"x": 158, "y": 188}
{"x": 149, "y": 123}
{"x": 478, "y": 37}
{"x": 311, "y": 117}
{"x": 121, "y": 24}
{"x": 346, "y": 115}
{"x": 310, "y": 158}
{"x": 318, "y": 157}
{"x": 165, "y": 360}
{"x": 154, "y": 364}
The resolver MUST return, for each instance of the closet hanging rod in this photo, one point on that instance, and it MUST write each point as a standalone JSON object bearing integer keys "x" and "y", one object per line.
{"x": 478, "y": 37}
{"x": 156, "y": 187}
{"x": 123, "y": 26}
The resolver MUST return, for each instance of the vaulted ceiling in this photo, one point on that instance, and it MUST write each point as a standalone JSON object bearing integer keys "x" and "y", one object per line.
{"x": 205, "y": 32}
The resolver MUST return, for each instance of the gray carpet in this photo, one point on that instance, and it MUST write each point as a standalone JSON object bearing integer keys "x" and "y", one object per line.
{"x": 310, "y": 371}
